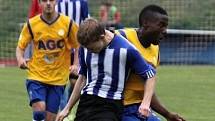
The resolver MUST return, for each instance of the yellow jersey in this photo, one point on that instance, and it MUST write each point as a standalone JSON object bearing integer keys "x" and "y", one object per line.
{"x": 52, "y": 43}
{"x": 134, "y": 87}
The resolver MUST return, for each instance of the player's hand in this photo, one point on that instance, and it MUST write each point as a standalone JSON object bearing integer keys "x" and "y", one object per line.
{"x": 73, "y": 69}
{"x": 64, "y": 113}
{"x": 174, "y": 117}
{"x": 144, "y": 111}
{"x": 22, "y": 63}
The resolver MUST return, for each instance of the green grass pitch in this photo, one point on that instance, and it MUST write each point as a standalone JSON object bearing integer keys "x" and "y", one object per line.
{"x": 188, "y": 90}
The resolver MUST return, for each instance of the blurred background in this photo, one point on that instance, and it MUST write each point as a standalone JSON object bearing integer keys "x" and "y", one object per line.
{"x": 186, "y": 76}
{"x": 191, "y": 25}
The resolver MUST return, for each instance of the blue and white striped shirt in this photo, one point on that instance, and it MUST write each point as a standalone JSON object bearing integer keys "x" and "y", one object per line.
{"x": 77, "y": 10}
{"x": 108, "y": 70}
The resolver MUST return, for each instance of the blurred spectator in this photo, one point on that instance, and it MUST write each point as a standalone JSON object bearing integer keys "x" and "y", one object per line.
{"x": 35, "y": 8}
{"x": 109, "y": 15}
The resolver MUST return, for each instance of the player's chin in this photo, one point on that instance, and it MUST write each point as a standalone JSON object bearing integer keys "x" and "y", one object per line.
{"x": 48, "y": 11}
{"x": 156, "y": 42}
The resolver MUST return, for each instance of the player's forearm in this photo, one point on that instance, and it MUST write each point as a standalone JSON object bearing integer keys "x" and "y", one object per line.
{"x": 76, "y": 93}
{"x": 148, "y": 91}
{"x": 158, "y": 107}
{"x": 19, "y": 53}
{"x": 76, "y": 61}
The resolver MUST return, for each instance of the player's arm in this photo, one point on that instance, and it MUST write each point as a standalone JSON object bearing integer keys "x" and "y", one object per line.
{"x": 22, "y": 63}
{"x": 161, "y": 109}
{"x": 79, "y": 85}
{"x": 24, "y": 39}
{"x": 76, "y": 93}
{"x": 144, "y": 108}
{"x": 147, "y": 72}
{"x": 74, "y": 67}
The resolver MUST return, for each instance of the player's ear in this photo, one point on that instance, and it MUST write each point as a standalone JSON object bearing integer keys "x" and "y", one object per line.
{"x": 102, "y": 36}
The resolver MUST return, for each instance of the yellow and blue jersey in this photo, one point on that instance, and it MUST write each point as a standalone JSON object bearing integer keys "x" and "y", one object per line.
{"x": 51, "y": 52}
{"x": 134, "y": 86}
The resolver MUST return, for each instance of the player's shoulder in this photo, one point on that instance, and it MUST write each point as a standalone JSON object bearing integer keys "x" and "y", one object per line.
{"x": 130, "y": 30}
{"x": 35, "y": 18}
{"x": 123, "y": 42}
{"x": 125, "y": 31}
{"x": 64, "y": 17}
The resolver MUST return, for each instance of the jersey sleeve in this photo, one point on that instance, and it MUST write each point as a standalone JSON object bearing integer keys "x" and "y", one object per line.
{"x": 139, "y": 65}
{"x": 83, "y": 66}
{"x": 72, "y": 37}
{"x": 24, "y": 38}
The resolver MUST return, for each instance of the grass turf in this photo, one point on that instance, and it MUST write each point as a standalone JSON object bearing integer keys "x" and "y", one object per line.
{"x": 187, "y": 90}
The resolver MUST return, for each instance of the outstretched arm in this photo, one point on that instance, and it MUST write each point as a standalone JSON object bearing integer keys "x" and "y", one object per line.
{"x": 147, "y": 72}
{"x": 144, "y": 108}
{"x": 76, "y": 93}
{"x": 159, "y": 108}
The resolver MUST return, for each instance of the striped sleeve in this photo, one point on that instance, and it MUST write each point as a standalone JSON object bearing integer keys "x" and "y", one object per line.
{"x": 139, "y": 65}
{"x": 83, "y": 66}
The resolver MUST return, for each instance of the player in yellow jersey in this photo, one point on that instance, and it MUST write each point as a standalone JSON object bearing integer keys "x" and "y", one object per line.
{"x": 153, "y": 21}
{"x": 53, "y": 36}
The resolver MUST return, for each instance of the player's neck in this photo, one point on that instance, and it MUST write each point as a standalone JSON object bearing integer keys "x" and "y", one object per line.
{"x": 143, "y": 38}
{"x": 140, "y": 33}
{"x": 50, "y": 17}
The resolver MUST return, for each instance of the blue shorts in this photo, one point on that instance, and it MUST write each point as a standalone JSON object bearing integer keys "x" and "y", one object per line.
{"x": 50, "y": 94}
{"x": 131, "y": 114}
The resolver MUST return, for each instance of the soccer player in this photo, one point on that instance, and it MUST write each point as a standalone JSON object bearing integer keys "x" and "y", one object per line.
{"x": 77, "y": 10}
{"x": 109, "y": 15}
{"x": 53, "y": 37}
{"x": 106, "y": 60}
{"x": 153, "y": 21}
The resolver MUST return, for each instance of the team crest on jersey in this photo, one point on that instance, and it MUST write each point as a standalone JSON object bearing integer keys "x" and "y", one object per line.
{"x": 61, "y": 32}
{"x": 50, "y": 58}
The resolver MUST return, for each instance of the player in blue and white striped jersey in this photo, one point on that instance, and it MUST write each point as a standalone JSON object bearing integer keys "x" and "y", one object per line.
{"x": 106, "y": 60}
{"x": 75, "y": 9}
